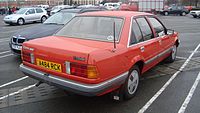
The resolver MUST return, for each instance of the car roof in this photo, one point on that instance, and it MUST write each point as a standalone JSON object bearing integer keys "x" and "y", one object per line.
{"x": 117, "y": 13}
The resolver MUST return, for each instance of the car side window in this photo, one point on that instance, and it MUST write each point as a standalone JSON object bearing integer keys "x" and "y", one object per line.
{"x": 38, "y": 10}
{"x": 136, "y": 35}
{"x": 145, "y": 28}
{"x": 158, "y": 27}
{"x": 31, "y": 11}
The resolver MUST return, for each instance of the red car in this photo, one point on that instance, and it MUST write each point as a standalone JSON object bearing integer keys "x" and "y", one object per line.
{"x": 100, "y": 52}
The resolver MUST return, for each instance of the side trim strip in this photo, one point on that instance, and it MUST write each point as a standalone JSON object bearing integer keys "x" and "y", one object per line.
{"x": 158, "y": 56}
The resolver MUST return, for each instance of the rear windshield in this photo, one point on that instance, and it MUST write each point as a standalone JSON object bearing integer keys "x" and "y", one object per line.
{"x": 93, "y": 28}
{"x": 60, "y": 18}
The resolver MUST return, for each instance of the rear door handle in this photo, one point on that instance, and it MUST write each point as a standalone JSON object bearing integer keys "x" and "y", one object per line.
{"x": 142, "y": 49}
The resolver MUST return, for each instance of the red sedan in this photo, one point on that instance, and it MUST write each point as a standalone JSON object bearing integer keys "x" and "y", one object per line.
{"x": 100, "y": 52}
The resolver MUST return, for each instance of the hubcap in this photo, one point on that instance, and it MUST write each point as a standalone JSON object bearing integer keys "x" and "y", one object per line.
{"x": 133, "y": 81}
{"x": 183, "y": 14}
{"x": 43, "y": 19}
{"x": 174, "y": 52}
{"x": 166, "y": 13}
{"x": 21, "y": 21}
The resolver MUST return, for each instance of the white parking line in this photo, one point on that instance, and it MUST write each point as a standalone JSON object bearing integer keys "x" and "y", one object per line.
{"x": 4, "y": 52}
{"x": 189, "y": 96}
{"x": 146, "y": 106}
{"x": 6, "y": 55}
{"x": 2, "y": 39}
{"x": 12, "y": 82}
{"x": 19, "y": 91}
{"x": 5, "y": 41}
{"x": 183, "y": 58}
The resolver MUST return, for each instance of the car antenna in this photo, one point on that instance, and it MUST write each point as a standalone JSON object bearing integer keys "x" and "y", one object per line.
{"x": 114, "y": 38}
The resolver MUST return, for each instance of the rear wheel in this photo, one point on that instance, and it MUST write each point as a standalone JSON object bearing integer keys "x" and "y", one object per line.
{"x": 172, "y": 56}
{"x": 166, "y": 13}
{"x": 131, "y": 84}
{"x": 20, "y": 21}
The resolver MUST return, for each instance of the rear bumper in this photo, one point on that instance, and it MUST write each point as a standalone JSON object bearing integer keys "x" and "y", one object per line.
{"x": 73, "y": 86}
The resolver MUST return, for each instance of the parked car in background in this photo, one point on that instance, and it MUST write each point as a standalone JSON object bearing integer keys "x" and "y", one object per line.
{"x": 112, "y": 6}
{"x": 48, "y": 28}
{"x": 176, "y": 10}
{"x": 55, "y": 9}
{"x": 129, "y": 7}
{"x": 27, "y": 15}
{"x": 100, "y": 52}
{"x": 43, "y": 6}
{"x": 195, "y": 13}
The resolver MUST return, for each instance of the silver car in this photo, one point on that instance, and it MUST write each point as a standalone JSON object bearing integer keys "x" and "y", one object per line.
{"x": 27, "y": 15}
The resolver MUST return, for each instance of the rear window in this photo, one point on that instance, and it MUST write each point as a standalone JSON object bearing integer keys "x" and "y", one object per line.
{"x": 38, "y": 10}
{"x": 93, "y": 28}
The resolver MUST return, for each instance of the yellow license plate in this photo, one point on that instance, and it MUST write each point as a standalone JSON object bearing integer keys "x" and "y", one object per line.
{"x": 49, "y": 65}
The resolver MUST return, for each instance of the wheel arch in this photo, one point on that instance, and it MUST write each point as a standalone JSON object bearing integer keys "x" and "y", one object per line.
{"x": 139, "y": 62}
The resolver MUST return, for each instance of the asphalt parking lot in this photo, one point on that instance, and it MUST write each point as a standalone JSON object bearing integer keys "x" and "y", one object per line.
{"x": 167, "y": 88}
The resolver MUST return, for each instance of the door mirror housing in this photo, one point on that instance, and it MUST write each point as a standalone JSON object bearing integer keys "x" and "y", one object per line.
{"x": 27, "y": 13}
{"x": 170, "y": 31}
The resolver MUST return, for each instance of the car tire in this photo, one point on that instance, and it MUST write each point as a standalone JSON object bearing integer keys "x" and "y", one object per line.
{"x": 131, "y": 83}
{"x": 43, "y": 19}
{"x": 183, "y": 13}
{"x": 20, "y": 21}
{"x": 172, "y": 56}
{"x": 195, "y": 16}
{"x": 166, "y": 13}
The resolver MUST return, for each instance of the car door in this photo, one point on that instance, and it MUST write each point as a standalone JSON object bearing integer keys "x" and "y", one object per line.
{"x": 30, "y": 15}
{"x": 149, "y": 47}
{"x": 39, "y": 13}
{"x": 160, "y": 33}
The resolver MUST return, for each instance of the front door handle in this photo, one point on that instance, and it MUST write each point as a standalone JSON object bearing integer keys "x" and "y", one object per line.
{"x": 142, "y": 49}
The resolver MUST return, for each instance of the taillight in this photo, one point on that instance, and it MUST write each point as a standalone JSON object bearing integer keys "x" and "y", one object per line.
{"x": 81, "y": 70}
{"x": 28, "y": 57}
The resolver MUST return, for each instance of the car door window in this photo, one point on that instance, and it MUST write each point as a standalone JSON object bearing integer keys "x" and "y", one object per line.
{"x": 136, "y": 35}
{"x": 31, "y": 11}
{"x": 145, "y": 28}
{"x": 157, "y": 26}
{"x": 38, "y": 10}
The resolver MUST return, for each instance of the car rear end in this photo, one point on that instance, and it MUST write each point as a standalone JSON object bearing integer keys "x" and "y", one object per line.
{"x": 66, "y": 68}
{"x": 75, "y": 59}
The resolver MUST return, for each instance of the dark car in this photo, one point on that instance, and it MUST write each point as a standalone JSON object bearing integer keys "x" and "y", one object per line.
{"x": 48, "y": 28}
{"x": 176, "y": 10}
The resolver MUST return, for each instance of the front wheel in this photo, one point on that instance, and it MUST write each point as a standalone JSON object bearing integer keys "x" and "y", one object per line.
{"x": 195, "y": 16}
{"x": 20, "y": 21}
{"x": 183, "y": 13}
{"x": 172, "y": 56}
{"x": 131, "y": 84}
{"x": 43, "y": 19}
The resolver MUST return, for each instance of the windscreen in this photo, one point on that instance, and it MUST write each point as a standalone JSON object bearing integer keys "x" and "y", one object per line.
{"x": 60, "y": 18}
{"x": 22, "y": 11}
{"x": 93, "y": 28}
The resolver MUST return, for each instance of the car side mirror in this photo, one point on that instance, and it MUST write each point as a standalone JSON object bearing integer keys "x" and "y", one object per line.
{"x": 27, "y": 13}
{"x": 170, "y": 31}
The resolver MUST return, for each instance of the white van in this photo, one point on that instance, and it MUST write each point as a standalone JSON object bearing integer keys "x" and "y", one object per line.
{"x": 112, "y": 6}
